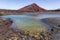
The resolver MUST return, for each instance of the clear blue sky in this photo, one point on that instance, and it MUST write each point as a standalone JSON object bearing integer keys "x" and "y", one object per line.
{"x": 16, "y": 4}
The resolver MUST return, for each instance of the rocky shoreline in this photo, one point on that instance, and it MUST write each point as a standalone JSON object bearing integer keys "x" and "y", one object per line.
{"x": 5, "y": 32}
{"x": 55, "y": 28}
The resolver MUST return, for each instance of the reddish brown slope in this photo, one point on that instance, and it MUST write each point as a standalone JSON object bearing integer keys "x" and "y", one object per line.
{"x": 32, "y": 8}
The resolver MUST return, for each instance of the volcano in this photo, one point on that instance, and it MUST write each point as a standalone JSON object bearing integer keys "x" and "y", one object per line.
{"x": 32, "y": 8}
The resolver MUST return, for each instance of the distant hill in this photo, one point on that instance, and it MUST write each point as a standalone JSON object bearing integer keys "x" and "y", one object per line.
{"x": 8, "y": 12}
{"x": 32, "y": 8}
{"x": 29, "y": 8}
{"x": 56, "y": 10}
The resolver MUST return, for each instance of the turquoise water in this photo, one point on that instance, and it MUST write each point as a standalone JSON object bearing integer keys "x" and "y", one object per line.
{"x": 22, "y": 21}
{"x": 28, "y": 20}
